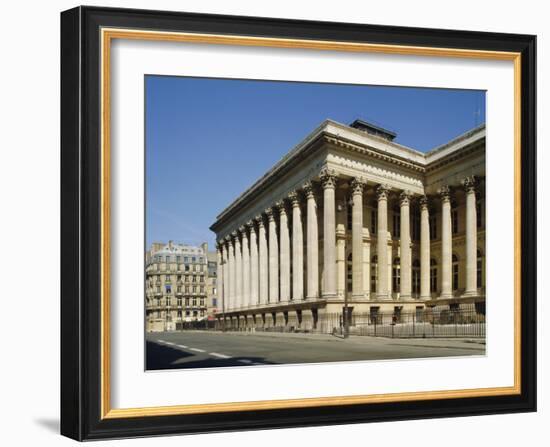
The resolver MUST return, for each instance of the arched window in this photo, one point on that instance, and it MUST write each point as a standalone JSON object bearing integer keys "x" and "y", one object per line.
{"x": 373, "y": 273}
{"x": 455, "y": 272}
{"x": 349, "y": 271}
{"x": 396, "y": 275}
{"x": 416, "y": 277}
{"x": 479, "y": 271}
{"x": 433, "y": 275}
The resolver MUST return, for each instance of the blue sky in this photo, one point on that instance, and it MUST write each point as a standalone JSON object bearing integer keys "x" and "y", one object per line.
{"x": 209, "y": 139}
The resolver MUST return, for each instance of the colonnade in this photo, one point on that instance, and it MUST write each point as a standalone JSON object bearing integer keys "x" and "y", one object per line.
{"x": 262, "y": 263}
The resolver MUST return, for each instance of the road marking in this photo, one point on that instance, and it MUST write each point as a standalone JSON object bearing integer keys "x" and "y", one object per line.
{"x": 169, "y": 343}
{"x": 197, "y": 350}
{"x": 221, "y": 356}
{"x": 245, "y": 361}
{"x": 182, "y": 346}
{"x": 161, "y": 341}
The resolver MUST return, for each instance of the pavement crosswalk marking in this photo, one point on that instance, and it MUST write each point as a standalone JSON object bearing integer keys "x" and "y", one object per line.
{"x": 221, "y": 356}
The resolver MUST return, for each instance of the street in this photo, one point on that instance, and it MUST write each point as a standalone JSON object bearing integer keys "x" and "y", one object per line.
{"x": 207, "y": 349}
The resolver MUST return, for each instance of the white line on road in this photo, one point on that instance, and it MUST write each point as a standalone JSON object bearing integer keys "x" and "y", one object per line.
{"x": 169, "y": 343}
{"x": 221, "y": 356}
{"x": 182, "y": 346}
{"x": 245, "y": 361}
{"x": 197, "y": 350}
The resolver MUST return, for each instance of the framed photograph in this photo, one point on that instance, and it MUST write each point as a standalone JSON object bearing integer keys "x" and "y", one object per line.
{"x": 273, "y": 223}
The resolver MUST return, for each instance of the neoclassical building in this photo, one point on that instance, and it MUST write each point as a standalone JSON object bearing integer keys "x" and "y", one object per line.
{"x": 350, "y": 215}
{"x": 177, "y": 286}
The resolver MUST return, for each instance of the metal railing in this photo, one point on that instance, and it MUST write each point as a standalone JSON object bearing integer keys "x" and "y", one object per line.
{"x": 467, "y": 322}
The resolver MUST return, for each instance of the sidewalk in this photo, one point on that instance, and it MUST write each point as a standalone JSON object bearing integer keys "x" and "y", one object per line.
{"x": 475, "y": 344}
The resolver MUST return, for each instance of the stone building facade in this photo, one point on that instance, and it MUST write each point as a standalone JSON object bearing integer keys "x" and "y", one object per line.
{"x": 316, "y": 229}
{"x": 176, "y": 286}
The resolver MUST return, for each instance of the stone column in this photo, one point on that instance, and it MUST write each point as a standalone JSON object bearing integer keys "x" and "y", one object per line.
{"x": 471, "y": 236}
{"x": 446, "y": 243}
{"x": 246, "y": 268}
{"x": 328, "y": 179}
{"x": 382, "y": 242}
{"x": 263, "y": 262}
{"x": 253, "y": 264}
{"x": 405, "y": 246}
{"x": 425, "y": 293}
{"x": 231, "y": 265}
{"x": 366, "y": 264}
{"x": 297, "y": 249}
{"x": 238, "y": 271}
{"x": 284, "y": 266}
{"x": 221, "y": 288}
{"x": 273, "y": 257}
{"x": 312, "y": 255}
{"x": 226, "y": 274}
{"x": 358, "y": 288}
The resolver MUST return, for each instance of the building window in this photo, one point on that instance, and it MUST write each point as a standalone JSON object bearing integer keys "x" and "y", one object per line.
{"x": 179, "y": 314}
{"x": 349, "y": 268}
{"x": 194, "y": 289}
{"x": 373, "y": 221}
{"x": 416, "y": 277}
{"x": 416, "y": 225}
{"x": 179, "y": 301}
{"x": 194, "y": 302}
{"x": 479, "y": 214}
{"x": 167, "y": 278}
{"x": 433, "y": 275}
{"x": 202, "y": 278}
{"x": 186, "y": 302}
{"x": 179, "y": 289}
{"x": 373, "y": 273}
{"x": 433, "y": 227}
{"x": 396, "y": 275}
{"x": 168, "y": 301}
{"x": 186, "y": 267}
{"x": 396, "y": 224}
{"x": 479, "y": 269}
{"x": 202, "y": 302}
{"x": 349, "y": 216}
{"x": 214, "y": 302}
{"x": 454, "y": 220}
{"x": 178, "y": 259}
{"x": 455, "y": 272}
{"x": 168, "y": 289}
{"x": 375, "y": 317}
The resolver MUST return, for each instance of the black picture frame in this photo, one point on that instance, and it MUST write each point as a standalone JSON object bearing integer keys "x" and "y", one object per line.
{"x": 81, "y": 223}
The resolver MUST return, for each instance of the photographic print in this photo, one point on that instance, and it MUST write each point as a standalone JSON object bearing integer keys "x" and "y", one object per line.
{"x": 301, "y": 222}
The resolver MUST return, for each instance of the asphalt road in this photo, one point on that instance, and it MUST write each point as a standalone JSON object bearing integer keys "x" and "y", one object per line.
{"x": 202, "y": 349}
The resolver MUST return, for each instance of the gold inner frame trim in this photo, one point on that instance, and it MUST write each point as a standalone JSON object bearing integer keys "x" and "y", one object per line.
{"x": 107, "y": 35}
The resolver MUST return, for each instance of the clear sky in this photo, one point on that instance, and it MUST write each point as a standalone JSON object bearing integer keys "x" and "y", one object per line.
{"x": 207, "y": 140}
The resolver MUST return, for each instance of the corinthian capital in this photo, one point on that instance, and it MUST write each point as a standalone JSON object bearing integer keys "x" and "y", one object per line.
{"x": 309, "y": 190}
{"x": 470, "y": 184}
{"x": 445, "y": 193}
{"x": 357, "y": 185}
{"x": 424, "y": 202}
{"x": 328, "y": 178}
{"x": 259, "y": 220}
{"x": 270, "y": 214}
{"x": 382, "y": 192}
{"x": 281, "y": 206}
{"x": 294, "y": 198}
{"x": 405, "y": 197}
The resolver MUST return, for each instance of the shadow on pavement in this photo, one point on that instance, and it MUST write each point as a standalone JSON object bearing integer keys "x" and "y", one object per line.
{"x": 167, "y": 357}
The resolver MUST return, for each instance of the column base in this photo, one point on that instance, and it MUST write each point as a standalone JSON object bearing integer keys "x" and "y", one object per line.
{"x": 329, "y": 295}
{"x": 470, "y": 294}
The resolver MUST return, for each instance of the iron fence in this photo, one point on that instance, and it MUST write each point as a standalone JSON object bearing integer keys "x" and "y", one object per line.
{"x": 445, "y": 322}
